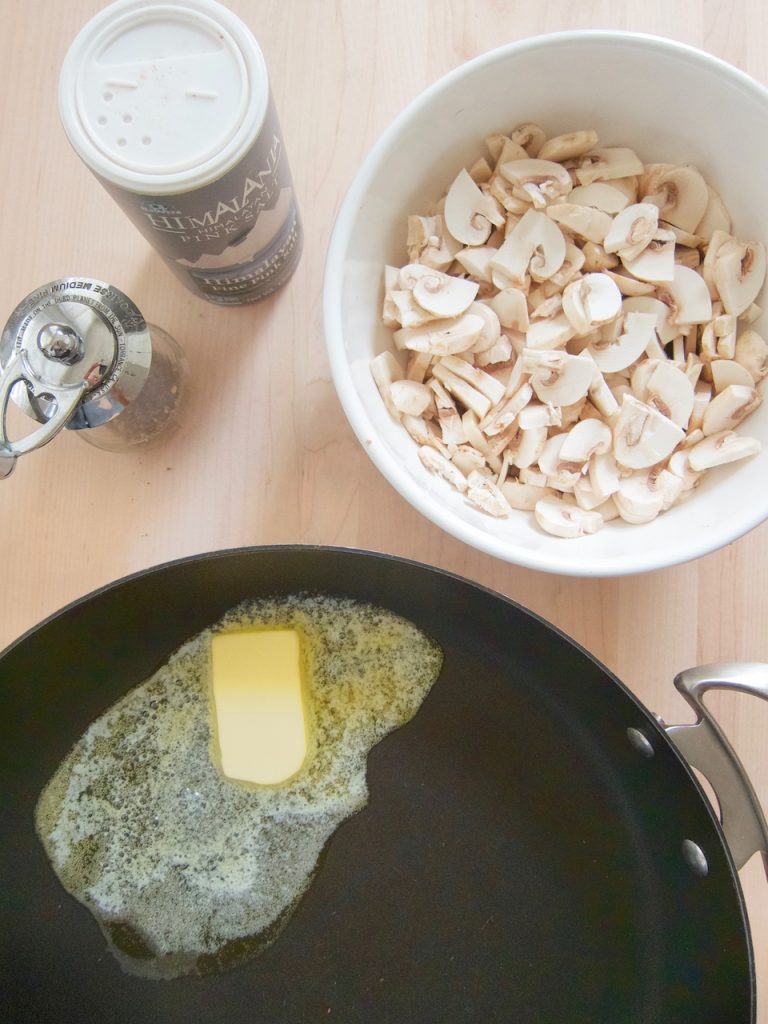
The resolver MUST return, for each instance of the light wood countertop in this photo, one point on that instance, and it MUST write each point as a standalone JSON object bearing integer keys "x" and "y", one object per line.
{"x": 265, "y": 454}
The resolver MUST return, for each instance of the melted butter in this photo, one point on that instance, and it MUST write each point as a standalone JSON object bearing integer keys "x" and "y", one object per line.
{"x": 185, "y": 870}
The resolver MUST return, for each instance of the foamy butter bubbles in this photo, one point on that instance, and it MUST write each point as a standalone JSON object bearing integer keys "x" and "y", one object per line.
{"x": 186, "y": 871}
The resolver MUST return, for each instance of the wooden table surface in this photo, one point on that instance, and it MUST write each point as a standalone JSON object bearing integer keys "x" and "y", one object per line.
{"x": 265, "y": 454}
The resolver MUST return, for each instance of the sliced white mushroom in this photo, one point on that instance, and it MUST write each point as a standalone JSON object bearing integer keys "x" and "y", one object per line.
{"x": 681, "y": 195}
{"x": 702, "y": 396}
{"x": 442, "y": 467}
{"x": 597, "y": 259}
{"x": 584, "y": 221}
{"x": 739, "y": 273}
{"x": 680, "y": 465}
{"x": 511, "y": 307}
{"x": 584, "y": 495}
{"x": 720, "y": 448}
{"x": 608, "y": 164}
{"x": 632, "y": 230}
{"x": 601, "y": 196}
{"x": 636, "y": 501}
{"x": 568, "y": 146}
{"x": 628, "y": 285}
{"x": 479, "y": 379}
{"x": 655, "y": 263}
{"x": 558, "y": 377}
{"x": 550, "y": 333}
{"x": 687, "y": 296}
{"x": 543, "y": 180}
{"x": 536, "y": 244}
{"x": 530, "y": 136}
{"x": 670, "y": 392}
{"x": 536, "y": 414}
{"x": 752, "y": 353}
{"x": 476, "y": 261}
{"x": 417, "y": 366}
{"x": 491, "y": 329}
{"x": 485, "y": 495}
{"x": 411, "y": 398}
{"x": 572, "y": 264}
{"x": 729, "y": 408}
{"x": 441, "y": 337}
{"x": 506, "y": 412}
{"x": 601, "y": 396}
{"x": 527, "y": 446}
{"x": 585, "y": 439}
{"x": 469, "y": 213}
{"x": 642, "y": 436}
{"x": 385, "y": 370}
{"x": 524, "y": 496}
{"x": 639, "y": 329}
{"x": 444, "y": 295}
{"x": 591, "y": 300}
{"x": 564, "y": 519}
{"x": 648, "y": 304}
{"x": 716, "y": 217}
{"x": 463, "y": 392}
{"x": 604, "y": 476}
{"x": 466, "y": 459}
{"x": 499, "y": 354}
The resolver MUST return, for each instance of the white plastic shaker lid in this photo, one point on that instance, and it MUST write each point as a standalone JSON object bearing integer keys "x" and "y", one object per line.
{"x": 160, "y": 98}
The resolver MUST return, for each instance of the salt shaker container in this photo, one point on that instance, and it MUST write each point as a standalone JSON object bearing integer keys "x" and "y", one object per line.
{"x": 168, "y": 102}
{"x": 78, "y": 354}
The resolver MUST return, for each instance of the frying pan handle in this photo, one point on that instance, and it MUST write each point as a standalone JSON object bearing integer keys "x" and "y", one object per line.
{"x": 704, "y": 746}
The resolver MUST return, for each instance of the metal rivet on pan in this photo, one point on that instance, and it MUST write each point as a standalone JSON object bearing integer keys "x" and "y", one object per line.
{"x": 694, "y": 857}
{"x": 640, "y": 742}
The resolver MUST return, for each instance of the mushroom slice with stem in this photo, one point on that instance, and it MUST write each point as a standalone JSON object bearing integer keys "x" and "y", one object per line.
{"x": 729, "y": 408}
{"x": 585, "y": 439}
{"x": 638, "y": 501}
{"x": 739, "y": 273}
{"x": 444, "y": 295}
{"x": 557, "y": 377}
{"x": 584, "y": 221}
{"x": 679, "y": 464}
{"x": 608, "y": 164}
{"x": 441, "y": 337}
{"x": 469, "y": 213}
{"x": 537, "y": 244}
{"x": 530, "y": 136}
{"x": 687, "y": 296}
{"x": 681, "y": 195}
{"x": 670, "y": 392}
{"x": 564, "y": 519}
{"x": 527, "y": 446}
{"x": 568, "y": 146}
{"x": 720, "y": 448}
{"x": 628, "y": 285}
{"x": 752, "y": 353}
{"x": 632, "y": 230}
{"x": 591, "y": 300}
{"x": 543, "y": 180}
{"x": 642, "y": 436}
{"x": 656, "y": 262}
{"x": 639, "y": 331}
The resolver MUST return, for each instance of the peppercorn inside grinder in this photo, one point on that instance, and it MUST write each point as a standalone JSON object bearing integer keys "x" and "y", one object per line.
{"x": 77, "y": 353}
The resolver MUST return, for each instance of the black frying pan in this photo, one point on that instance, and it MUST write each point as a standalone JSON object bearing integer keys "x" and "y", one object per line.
{"x": 519, "y": 860}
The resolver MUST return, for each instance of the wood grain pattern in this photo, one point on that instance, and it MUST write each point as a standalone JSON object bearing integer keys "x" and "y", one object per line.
{"x": 265, "y": 454}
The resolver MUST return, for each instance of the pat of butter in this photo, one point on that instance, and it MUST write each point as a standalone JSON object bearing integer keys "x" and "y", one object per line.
{"x": 259, "y": 701}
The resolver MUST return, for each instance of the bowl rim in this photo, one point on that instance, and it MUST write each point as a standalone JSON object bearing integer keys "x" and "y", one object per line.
{"x": 696, "y": 544}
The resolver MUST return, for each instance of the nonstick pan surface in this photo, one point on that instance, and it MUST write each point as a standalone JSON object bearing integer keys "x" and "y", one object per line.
{"x": 519, "y": 860}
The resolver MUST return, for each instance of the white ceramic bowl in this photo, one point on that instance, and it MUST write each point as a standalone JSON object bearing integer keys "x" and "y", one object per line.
{"x": 668, "y": 102}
